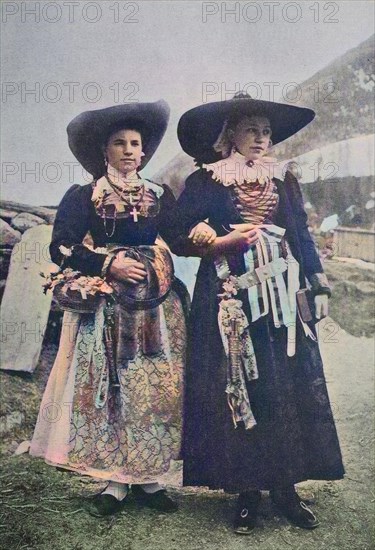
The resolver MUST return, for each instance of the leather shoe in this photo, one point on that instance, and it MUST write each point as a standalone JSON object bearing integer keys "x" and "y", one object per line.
{"x": 246, "y": 512}
{"x": 105, "y": 505}
{"x": 158, "y": 501}
{"x": 290, "y": 504}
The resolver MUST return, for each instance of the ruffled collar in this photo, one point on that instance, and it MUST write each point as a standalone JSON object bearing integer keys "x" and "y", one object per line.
{"x": 236, "y": 169}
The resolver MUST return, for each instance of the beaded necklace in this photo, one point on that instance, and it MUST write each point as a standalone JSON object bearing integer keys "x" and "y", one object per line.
{"x": 120, "y": 193}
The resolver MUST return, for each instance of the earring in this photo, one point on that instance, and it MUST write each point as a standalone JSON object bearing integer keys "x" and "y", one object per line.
{"x": 142, "y": 154}
{"x": 105, "y": 162}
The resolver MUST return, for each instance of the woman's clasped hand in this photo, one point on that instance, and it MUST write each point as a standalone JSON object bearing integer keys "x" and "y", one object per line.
{"x": 127, "y": 270}
{"x": 202, "y": 234}
{"x": 241, "y": 237}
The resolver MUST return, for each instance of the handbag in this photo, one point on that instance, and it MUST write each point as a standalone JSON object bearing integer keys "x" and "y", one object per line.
{"x": 306, "y": 305}
{"x": 155, "y": 288}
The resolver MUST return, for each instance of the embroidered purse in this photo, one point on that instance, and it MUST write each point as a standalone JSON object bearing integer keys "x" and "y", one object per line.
{"x": 160, "y": 275}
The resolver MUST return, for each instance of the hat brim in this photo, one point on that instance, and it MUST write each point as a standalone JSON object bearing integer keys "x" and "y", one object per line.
{"x": 199, "y": 128}
{"x": 87, "y": 131}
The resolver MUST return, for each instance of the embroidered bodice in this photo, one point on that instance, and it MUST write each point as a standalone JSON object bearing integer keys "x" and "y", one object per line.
{"x": 256, "y": 202}
{"x": 251, "y": 184}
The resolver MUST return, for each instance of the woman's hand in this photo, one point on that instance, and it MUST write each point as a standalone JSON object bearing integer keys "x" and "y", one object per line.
{"x": 202, "y": 234}
{"x": 243, "y": 236}
{"x": 127, "y": 269}
{"x": 243, "y": 227}
{"x": 321, "y": 306}
{"x": 240, "y": 239}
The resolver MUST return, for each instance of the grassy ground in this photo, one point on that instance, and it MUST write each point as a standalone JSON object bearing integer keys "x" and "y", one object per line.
{"x": 353, "y": 300}
{"x": 43, "y": 508}
{"x": 46, "y": 509}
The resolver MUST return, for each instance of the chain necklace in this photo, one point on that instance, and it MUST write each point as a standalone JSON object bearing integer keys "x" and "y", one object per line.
{"x": 113, "y": 224}
{"x": 120, "y": 193}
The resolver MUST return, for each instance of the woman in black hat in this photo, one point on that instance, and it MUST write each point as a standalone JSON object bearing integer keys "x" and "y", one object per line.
{"x": 112, "y": 405}
{"x": 257, "y": 413}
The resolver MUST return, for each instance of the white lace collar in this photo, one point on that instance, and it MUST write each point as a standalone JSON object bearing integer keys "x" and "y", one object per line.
{"x": 236, "y": 169}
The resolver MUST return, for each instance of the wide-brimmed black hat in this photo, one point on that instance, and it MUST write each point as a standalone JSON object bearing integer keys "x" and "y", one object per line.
{"x": 88, "y": 131}
{"x": 199, "y": 128}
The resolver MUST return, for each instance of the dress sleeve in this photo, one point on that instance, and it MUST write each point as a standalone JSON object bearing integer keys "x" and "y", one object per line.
{"x": 311, "y": 262}
{"x": 193, "y": 206}
{"x": 168, "y": 218}
{"x": 70, "y": 227}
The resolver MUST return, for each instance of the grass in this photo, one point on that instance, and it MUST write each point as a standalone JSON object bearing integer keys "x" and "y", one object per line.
{"x": 46, "y": 509}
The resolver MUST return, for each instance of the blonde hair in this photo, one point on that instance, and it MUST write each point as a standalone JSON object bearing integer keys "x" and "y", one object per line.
{"x": 223, "y": 143}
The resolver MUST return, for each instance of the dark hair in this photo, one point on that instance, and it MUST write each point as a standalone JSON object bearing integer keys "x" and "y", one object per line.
{"x": 126, "y": 124}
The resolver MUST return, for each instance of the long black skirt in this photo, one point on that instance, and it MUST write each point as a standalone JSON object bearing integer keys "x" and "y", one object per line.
{"x": 295, "y": 437}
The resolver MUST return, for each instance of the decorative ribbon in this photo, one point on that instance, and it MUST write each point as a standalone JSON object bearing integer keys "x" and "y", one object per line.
{"x": 238, "y": 347}
{"x": 270, "y": 273}
{"x": 267, "y": 291}
{"x": 264, "y": 279}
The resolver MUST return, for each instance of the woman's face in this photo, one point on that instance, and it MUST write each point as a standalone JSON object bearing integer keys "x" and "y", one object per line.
{"x": 251, "y": 136}
{"x": 124, "y": 150}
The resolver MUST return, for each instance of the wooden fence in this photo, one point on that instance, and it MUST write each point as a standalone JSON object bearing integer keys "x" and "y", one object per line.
{"x": 356, "y": 243}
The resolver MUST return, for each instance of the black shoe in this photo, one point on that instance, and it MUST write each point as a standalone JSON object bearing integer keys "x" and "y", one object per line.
{"x": 246, "y": 512}
{"x": 105, "y": 505}
{"x": 158, "y": 501}
{"x": 290, "y": 504}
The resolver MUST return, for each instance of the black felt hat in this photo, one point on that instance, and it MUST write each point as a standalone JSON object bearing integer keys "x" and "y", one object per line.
{"x": 88, "y": 131}
{"x": 199, "y": 128}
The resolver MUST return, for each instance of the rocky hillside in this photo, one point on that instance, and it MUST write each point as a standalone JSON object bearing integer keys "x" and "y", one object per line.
{"x": 341, "y": 94}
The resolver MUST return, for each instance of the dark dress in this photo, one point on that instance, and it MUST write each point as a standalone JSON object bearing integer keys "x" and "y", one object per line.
{"x": 132, "y": 434}
{"x": 295, "y": 437}
{"x": 76, "y": 216}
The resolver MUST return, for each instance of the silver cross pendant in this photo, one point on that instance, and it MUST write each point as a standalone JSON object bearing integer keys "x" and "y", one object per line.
{"x": 134, "y": 213}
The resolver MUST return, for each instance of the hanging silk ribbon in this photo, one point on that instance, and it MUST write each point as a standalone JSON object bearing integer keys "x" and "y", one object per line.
{"x": 272, "y": 283}
{"x": 234, "y": 331}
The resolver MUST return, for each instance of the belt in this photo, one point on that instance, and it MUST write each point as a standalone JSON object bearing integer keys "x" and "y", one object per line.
{"x": 256, "y": 277}
{"x": 262, "y": 273}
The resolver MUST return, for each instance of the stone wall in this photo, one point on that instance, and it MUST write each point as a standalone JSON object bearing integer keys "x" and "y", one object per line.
{"x": 15, "y": 219}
